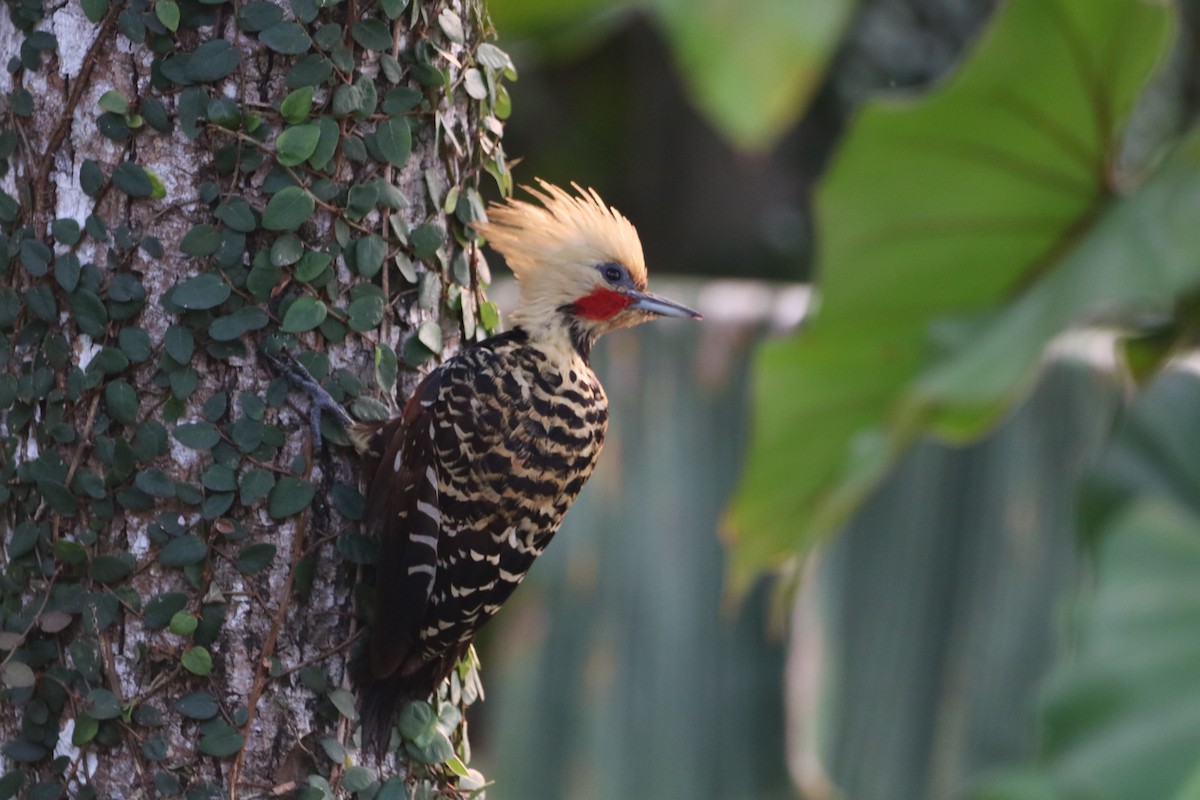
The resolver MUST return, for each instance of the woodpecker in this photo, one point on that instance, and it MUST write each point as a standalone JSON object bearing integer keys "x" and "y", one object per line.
{"x": 470, "y": 482}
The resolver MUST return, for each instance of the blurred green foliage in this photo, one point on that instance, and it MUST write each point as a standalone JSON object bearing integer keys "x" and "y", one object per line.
{"x": 938, "y": 601}
{"x": 751, "y": 68}
{"x": 1122, "y": 714}
{"x": 960, "y": 233}
{"x": 948, "y": 226}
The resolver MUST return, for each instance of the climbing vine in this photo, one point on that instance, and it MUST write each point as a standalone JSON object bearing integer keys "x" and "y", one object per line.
{"x": 159, "y": 494}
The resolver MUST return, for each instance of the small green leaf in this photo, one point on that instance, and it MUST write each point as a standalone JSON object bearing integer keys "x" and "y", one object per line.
{"x": 254, "y": 485}
{"x": 198, "y": 661}
{"x": 430, "y": 335}
{"x": 289, "y": 38}
{"x": 65, "y": 231}
{"x": 91, "y": 179}
{"x": 328, "y": 37}
{"x": 155, "y": 113}
{"x": 287, "y": 250}
{"x": 394, "y": 140}
{"x": 155, "y": 482}
{"x": 69, "y": 552}
{"x": 204, "y": 291}
{"x": 167, "y": 12}
{"x": 327, "y": 146}
{"x": 158, "y": 190}
{"x": 304, "y": 314}
{"x": 451, "y": 25}
{"x": 24, "y": 751}
{"x": 388, "y": 65}
{"x": 201, "y": 240}
{"x": 347, "y": 98}
{"x": 399, "y": 100}
{"x": 297, "y": 143}
{"x": 361, "y": 199}
{"x": 258, "y": 16}
{"x": 114, "y": 101}
{"x": 474, "y": 84}
{"x": 365, "y": 313}
{"x": 438, "y": 750}
{"x": 416, "y": 720}
{"x": 372, "y": 34}
{"x": 183, "y": 551}
{"x": 237, "y": 214}
{"x": 426, "y": 239}
{"x": 67, "y": 270}
{"x": 219, "y": 478}
{"x": 311, "y": 70}
{"x": 222, "y": 741}
{"x": 132, "y": 179}
{"x": 161, "y": 609}
{"x": 17, "y": 675}
{"x": 35, "y": 257}
{"x": 255, "y": 557}
{"x": 58, "y": 496}
{"x": 239, "y": 323}
{"x": 263, "y": 278}
{"x": 288, "y": 209}
{"x": 311, "y": 266}
{"x": 94, "y": 10}
{"x": 492, "y": 56}
{"x": 197, "y": 705}
{"x": 197, "y": 435}
{"x": 297, "y": 105}
{"x": 155, "y": 748}
{"x": 179, "y": 343}
{"x": 121, "y": 402}
{"x": 86, "y": 728}
{"x": 110, "y": 568}
{"x": 289, "y": 496}
{"x": 357, "y": 778}
{"x": 392, "y": 789}
{"x": 103, "y": 704}
{"x": 357, "y": 548}
{"x": 334, "y": 749}
{"x": 212, "y": 61}
{"x": 183, "y": 623}
{"x": 489, "y": 315}
{"x": 343, "y": 701}
{"x": 369, "y": 253}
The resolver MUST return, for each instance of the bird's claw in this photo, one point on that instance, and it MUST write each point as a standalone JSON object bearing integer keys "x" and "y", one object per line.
{"x": 321, "y": 400}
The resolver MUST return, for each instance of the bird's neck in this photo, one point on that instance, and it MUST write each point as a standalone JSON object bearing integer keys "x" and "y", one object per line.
{"x": 559, "y": 332}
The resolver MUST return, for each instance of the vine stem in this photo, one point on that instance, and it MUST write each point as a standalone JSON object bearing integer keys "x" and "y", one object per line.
{"x": 64, "y": 122}
{"x": 268, "y": 649}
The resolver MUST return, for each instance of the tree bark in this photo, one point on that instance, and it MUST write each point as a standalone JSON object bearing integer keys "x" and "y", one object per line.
{"x": 179, "y": 562}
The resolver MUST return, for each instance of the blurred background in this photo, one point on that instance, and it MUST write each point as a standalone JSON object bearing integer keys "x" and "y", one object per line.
{"x": 914, "y": 512}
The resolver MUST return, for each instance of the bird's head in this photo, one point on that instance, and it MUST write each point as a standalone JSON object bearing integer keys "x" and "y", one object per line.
{"x": 578, "y": 262}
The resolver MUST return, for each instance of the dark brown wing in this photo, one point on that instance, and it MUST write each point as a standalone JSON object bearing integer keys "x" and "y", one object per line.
{"x": 403, "y": 503}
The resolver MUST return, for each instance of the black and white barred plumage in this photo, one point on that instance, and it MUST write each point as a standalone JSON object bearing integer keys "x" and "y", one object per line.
{"x": 471, "y": 483}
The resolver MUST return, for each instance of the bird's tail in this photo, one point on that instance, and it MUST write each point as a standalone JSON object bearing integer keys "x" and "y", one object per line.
{"x": 381, "y": 699}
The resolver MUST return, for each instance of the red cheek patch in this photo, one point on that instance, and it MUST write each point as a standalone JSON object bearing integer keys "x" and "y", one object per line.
{"x": 602, "y": 304}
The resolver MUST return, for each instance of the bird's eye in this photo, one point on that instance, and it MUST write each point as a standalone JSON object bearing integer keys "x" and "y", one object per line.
{"x": 613, "y": 273}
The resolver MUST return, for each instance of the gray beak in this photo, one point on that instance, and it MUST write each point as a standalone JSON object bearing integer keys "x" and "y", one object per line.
{"x": 652, "y": 303}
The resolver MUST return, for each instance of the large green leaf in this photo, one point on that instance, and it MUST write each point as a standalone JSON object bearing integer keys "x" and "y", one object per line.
{"x": 936, "y": 212}
{"x": 751, "y": 67}
{"x": 1137, "y": 260}
{"x": 1121, "y": 719}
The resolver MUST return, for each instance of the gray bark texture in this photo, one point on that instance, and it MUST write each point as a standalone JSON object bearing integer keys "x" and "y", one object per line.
{"x": 180, "y": 568}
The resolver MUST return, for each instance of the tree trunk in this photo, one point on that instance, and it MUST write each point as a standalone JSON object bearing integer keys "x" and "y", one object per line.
{"x": 186, "y": 184}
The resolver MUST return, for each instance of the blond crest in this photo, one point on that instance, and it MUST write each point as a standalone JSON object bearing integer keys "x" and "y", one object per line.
{"x": 565, "y": 230}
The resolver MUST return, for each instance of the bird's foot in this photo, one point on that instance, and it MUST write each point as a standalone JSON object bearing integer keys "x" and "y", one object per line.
{"x": 322, "y": 400}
